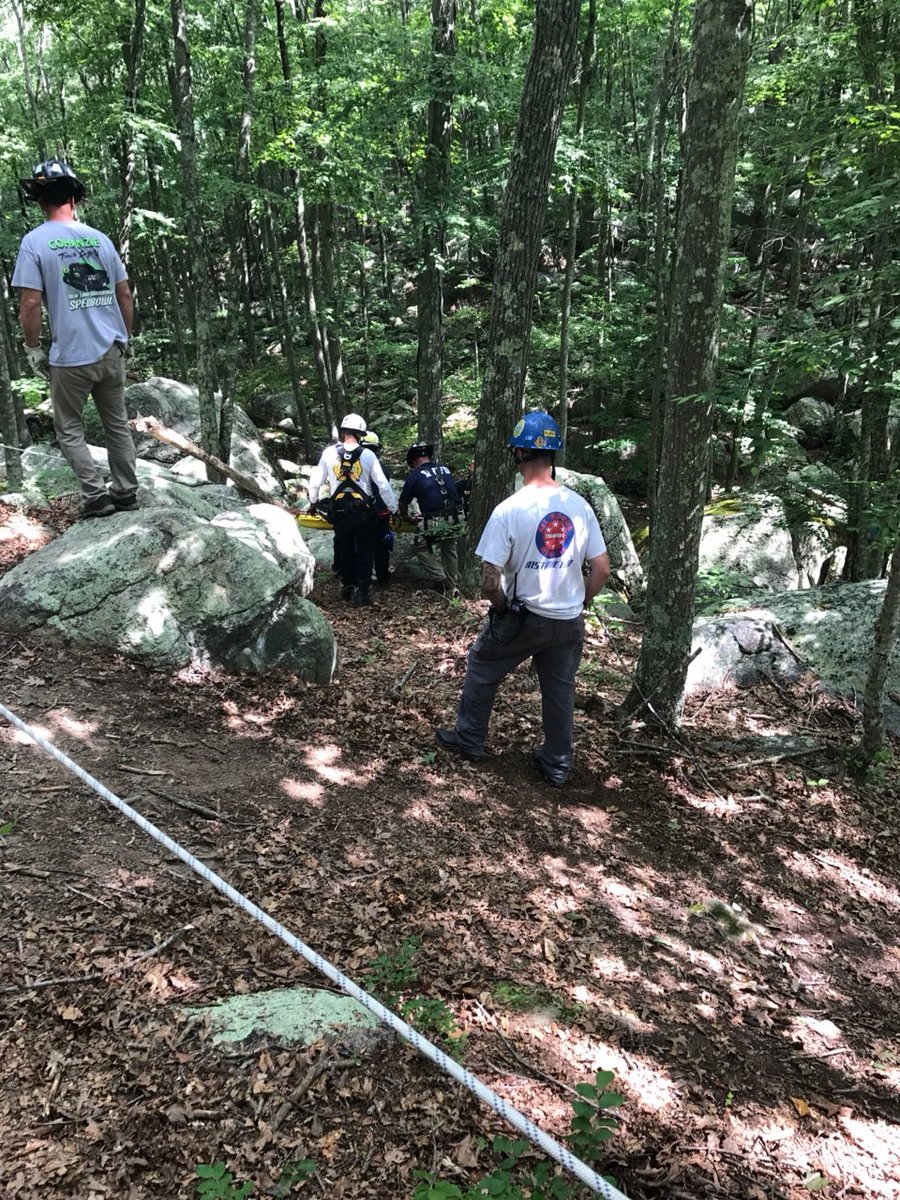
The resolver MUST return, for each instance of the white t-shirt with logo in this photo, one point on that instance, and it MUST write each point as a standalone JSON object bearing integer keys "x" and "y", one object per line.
{"x": 540, "y": 538}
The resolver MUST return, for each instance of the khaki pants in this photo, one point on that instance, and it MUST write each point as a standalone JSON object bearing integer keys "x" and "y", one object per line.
{"x": 441, "y": 565}
{"x": 69, "y": 389}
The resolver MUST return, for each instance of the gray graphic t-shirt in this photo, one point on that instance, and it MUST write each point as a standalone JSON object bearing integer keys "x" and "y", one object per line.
{"x": 77, "y": 268}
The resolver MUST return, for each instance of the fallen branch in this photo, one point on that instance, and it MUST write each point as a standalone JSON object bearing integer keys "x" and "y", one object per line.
{"x": 401, "y": 684}
{"x": 163, "y": 434}
{"x": 190, "y": 805}
{"x": 319, "y": 1067}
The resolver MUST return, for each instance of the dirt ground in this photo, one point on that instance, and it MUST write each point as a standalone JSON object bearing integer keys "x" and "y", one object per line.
{"x": 720, "y": 931}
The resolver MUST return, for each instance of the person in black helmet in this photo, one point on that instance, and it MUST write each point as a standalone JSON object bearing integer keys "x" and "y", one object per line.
{"x": 77, "y": 274}
{"x": 433, "y": 488}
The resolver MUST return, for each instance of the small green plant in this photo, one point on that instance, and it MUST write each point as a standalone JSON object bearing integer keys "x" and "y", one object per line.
{"x": 8, "y": 827}
{"x": 391, "y": 976}
{"x": 217, "y": 1183}
{"x": 515, "y": 1179}
{"x": 297, "y": 1171}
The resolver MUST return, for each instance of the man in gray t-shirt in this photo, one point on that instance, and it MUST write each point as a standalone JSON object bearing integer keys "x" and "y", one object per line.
{"x": 76, "y": 273}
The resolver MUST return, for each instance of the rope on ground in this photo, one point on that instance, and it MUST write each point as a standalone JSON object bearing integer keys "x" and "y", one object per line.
{"x": 487, "y": 1096}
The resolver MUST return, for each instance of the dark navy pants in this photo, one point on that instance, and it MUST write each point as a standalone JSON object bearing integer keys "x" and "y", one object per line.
{"x": 555, "y": 647}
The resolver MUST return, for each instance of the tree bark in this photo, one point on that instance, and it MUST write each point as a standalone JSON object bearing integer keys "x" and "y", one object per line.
{"x": 565, "y": 307}
{"x": 521, "y": 224}
{"x": 433, "y": 199}
{"x": 209, "y": 420}
{"x": 9, "y": 429}
{"x": 133, "y": 61}
{"x": 886, "y": 630}
{"x": 719, "y": 55}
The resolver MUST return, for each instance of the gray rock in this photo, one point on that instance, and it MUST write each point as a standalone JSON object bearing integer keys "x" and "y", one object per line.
{"x": 827, "y": 630}
{"x": 177, "y": 405}
{"x": 813, "y": 419}
{"x": 270, "y": 411}
{"x": 624, "y": 562}
{"x": 172, "y": 589}
{"x": 746, "y": 541}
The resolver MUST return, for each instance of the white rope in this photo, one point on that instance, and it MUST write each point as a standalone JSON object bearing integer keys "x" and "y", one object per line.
{"x": 511, "y": 1115}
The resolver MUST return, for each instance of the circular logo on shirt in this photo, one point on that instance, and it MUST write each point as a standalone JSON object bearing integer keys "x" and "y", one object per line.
{"x": 554, "y": 535}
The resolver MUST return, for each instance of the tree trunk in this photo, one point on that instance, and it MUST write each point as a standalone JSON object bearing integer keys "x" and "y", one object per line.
{"x": 584, "y": 82}
{"x": 660, "y": 252}
{"x": 886, "y": 630}
{"x": 236, "y": 224}
{"x": 9, "y": 429}
{"x": 209, "y": 421}
{"x": 521, "y": 224}
{"x": 719, "y": 55}
{"x": 287, "y": 336}
{"x": 433, "y": 200}
{"x": 171, "y": 283}
{"x": 133, "y": 60}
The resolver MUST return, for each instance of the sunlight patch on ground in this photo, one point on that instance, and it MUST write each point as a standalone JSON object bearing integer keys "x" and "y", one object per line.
{"x": 716, "y": 806}
{"x": 624, "y": 1017}
{"x": 62, "y": 721}
{"x": 650, "y": 1084}
{"x": 861, "y": 1156}
{"x": 321, "y": 759}
{"x": 842, "y": 874}
{"x": 309, "y": 793}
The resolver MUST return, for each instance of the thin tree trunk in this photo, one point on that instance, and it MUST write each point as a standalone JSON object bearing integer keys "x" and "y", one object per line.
{"x": 133, "y": 64}
{"x": 887, "y": 628}
{"x": 209, "y": 420}
{"x": 433, "y": 199}
{"x": 34, "y": 108}
{"x": 521, "y": 224}
{"x": 9, "y": 429}
{"x": 585, "y": 76}
{"x": 721, "y": 35}
{"x": 171, "y": 283}
{"x": 660, "y": 252}
{"x": 287, "y": 336}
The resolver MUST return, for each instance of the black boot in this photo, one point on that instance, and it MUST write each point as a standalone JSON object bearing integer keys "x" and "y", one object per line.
{"x": 361, "y": 597}
{"x": 347, "y": 592}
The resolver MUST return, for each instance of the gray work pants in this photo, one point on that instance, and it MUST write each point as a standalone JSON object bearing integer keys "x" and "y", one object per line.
{"x": 69, "y": 389}
{"x": 555, "y": 646}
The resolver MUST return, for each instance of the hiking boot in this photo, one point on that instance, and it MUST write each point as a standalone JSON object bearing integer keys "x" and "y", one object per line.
{"x": 555, "y": 779}
{"x": 102, "y": 506}
{"x": 449, "y": 739}
{"x": 124, "y": 501}
{"x": 361, "y": 598}
{"x": 347, "y": 592}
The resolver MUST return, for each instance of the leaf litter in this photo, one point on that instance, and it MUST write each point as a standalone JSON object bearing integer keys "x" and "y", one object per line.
{"x": 725, "y": 942}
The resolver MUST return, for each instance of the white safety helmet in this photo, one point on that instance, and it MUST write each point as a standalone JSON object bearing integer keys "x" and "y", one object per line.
{"x": 353, "y": 422}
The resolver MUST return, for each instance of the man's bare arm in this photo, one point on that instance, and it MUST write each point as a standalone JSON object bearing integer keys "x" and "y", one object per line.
{"x": 125, "y": 303}
{"x": 491, "y": 586}
{"x": 596, "y": 580}
{"x": 30, "y": 315}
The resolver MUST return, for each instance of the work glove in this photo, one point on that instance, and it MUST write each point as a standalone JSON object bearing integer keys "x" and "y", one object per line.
{"x": 37, "y": 360}
{"x": 313, "y": 510}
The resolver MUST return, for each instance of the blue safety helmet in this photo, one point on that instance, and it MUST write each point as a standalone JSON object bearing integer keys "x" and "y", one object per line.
{"x": 536, "y": 431}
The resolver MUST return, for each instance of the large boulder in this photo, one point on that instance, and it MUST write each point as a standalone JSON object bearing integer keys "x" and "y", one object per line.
{"x": 173, "y": 589}
{"x": 813, "y": 419}
{"x": 177, "y": 405}
{"x": 746, "y": 543}
{"x": 48, "y": 475}
{"x": 828, "y": 630}
{"x": 624, "y": 562}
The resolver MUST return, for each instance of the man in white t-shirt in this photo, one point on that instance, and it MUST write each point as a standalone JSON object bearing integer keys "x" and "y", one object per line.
{"x": 353, "y": 475}
{"x": 77, "y": 274}
{"x": 533, "y": 550}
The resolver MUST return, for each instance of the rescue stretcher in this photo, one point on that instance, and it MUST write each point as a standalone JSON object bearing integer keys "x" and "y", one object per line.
{"x": 317, "y": 521}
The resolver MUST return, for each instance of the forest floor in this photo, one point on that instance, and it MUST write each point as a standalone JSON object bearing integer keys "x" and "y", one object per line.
{"x": 720, "y": 931}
